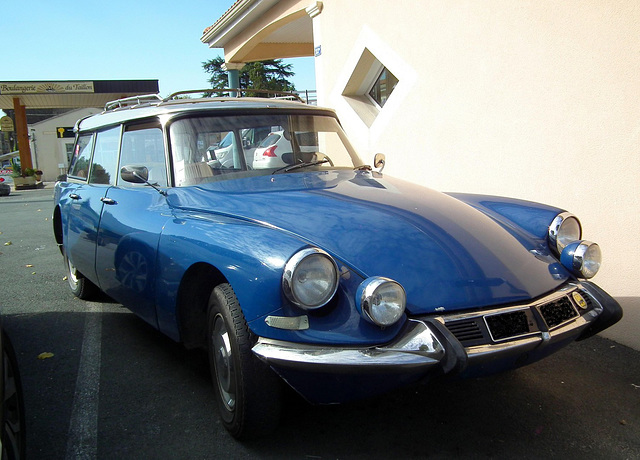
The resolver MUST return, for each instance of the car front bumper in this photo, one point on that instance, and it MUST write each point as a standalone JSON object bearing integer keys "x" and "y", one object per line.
{"x": 461, "y": 344}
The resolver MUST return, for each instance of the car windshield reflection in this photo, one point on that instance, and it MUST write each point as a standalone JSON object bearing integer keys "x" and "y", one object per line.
{"x": 210, "y": 148}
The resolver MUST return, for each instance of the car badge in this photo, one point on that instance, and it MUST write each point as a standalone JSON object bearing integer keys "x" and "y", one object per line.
{"x": 580, "y": 300}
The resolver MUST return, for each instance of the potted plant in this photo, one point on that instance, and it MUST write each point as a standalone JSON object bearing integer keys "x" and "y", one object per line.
{"x": 38, "y": 173}
{"x": 24, "y": 178}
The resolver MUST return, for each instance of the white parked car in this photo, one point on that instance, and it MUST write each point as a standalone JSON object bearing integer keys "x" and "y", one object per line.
{"x": 276, "y": 150}
{"x": 226, "y": 152}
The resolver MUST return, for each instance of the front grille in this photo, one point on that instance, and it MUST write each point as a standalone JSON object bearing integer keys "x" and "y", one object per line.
{"x": 558, "y": 312}
{"x": 518, "y": 321}
{"x": 587, "y": 297}
{"x": 507, "y": 325}
{"x": 467, "y": 331}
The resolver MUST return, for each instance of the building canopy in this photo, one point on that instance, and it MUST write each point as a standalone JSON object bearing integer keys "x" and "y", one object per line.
{"x": 256, "y": 30}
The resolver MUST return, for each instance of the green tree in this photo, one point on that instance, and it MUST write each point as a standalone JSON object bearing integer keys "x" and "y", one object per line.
{"x": 264, "y": 75}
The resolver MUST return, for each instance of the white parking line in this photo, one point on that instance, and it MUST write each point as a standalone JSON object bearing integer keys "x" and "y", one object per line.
{"x": 82, "y": 441}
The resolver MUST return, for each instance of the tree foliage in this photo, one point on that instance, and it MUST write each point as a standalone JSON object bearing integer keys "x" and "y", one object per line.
{"x": 262, "y": 75}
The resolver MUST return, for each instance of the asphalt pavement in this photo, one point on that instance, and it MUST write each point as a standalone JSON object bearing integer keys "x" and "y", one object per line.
{"x": 109, "y": 386}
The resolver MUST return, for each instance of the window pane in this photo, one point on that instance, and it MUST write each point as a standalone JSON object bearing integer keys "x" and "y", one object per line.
{"x": 142, "y": 145}
{"x": 105, "y": 157}
{"x": 82, "y": 156}
{"x": 383, "y": 87}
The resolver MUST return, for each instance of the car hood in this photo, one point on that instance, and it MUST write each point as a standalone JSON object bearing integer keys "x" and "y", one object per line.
{"x": 447, "y": 255}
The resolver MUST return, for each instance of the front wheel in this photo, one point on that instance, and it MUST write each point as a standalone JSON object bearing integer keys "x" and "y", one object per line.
{"x": 248, "y": 392}
{"x": 80, "y": 286}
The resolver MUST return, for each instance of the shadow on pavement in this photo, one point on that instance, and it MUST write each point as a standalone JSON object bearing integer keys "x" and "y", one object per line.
{"x": 156, "y": 402}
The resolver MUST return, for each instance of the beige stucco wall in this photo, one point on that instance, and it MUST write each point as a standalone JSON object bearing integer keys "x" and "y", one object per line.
{"x": 538, "y": 100}
{"x": 47, "y": 151}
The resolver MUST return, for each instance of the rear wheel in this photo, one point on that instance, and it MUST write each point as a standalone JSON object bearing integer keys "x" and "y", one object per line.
{"x": 80, "y": 286}
{"x": 249, "y": 393}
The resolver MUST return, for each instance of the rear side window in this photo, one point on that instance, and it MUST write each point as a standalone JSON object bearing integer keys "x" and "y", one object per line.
{"x": 82, "y": 156}
{"x": 105, "y": 157}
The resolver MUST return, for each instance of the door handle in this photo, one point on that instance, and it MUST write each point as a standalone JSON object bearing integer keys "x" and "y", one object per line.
{"x": 74, "y": 196}
{"x": 106, "y": 200}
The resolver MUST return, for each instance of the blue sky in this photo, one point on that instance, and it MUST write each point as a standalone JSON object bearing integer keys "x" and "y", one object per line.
{"x": 99, "y": 40}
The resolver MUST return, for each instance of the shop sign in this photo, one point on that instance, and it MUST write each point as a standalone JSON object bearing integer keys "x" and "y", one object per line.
{"x": 46, "y": 87}
{"x": 64, "y": 132}
{"x": 6, "y": 124}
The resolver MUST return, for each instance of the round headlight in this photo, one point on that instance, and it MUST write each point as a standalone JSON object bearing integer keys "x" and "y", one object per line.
{"x": 564, "y": 229}
{"x": 381, "y": 300}
{"x": 310, "y": 278}
{"x": 582, "y": 258}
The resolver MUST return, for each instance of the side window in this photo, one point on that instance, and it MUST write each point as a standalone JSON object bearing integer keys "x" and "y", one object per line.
{"x": 105, "y": 157}
{"x": 82, "y": 156}
{"x": 142, "y": 144}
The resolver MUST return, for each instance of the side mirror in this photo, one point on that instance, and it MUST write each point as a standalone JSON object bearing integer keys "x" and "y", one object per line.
{"x": 379, "y": 161}
{"x": 135, "y": 174}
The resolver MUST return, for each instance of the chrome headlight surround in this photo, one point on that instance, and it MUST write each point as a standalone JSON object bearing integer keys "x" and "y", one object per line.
{"x": 381, "y": 301}
{"x": 564, "y": 229}
{"x": 310, "y": 278}
{"x": 582, "y": 258}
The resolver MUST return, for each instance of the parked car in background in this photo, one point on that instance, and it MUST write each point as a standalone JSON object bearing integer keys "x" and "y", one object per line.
{"x": 316, "y": 271}
{"x": 225, "y": 154}
{"x": 5, "y": 186}
{"x": 276, "y": 150}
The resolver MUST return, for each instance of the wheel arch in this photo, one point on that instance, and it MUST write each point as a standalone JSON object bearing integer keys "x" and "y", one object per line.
{"x": 193, "y": 297}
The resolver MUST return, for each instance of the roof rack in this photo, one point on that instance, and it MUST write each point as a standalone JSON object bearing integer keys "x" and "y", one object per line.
{"x": 132, "y": 101}
{"x": 238, "y": 91}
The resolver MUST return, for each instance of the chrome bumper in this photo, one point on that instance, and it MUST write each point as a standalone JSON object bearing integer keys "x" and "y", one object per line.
{"x": 417, "y": 349}
{"x": 431, "y": 346}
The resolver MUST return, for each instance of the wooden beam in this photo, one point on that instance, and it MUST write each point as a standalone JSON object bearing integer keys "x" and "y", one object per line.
{"x": 22, "y": 134}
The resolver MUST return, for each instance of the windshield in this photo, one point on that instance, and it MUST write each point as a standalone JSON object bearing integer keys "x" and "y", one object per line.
{"x": 208, "y": 148}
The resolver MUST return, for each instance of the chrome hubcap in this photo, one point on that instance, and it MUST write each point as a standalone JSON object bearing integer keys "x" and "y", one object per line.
{"x": 223, "y": 362}
{"x": 72, "y": 275}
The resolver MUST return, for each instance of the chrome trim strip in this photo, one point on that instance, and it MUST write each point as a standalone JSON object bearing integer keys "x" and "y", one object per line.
{"x": 552, "y": 297}
{"x": 417, "y": 348}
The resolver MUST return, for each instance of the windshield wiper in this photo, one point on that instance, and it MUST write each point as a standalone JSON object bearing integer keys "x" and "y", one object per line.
{"x": 363, "y": 168}
{"x": 300, "y": 165}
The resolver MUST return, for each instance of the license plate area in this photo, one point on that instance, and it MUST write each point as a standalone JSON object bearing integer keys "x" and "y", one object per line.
{"x": 558, "y": 312}
{"x": 511, "y": 324}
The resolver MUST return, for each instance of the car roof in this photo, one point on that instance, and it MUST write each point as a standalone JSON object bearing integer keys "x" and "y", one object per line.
{"x": 146, "y": 106}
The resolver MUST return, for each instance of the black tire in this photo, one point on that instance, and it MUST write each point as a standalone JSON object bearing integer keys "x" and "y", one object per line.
{"x": 80, "y": 286}
{"x": 13, "y": 417}
{"x": 249, "y": 393}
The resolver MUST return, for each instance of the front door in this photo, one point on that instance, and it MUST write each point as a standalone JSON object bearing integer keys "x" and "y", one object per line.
{"x": 132, "y": 220}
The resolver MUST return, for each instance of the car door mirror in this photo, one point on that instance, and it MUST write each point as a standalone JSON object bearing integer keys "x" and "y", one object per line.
{"x": 135, "y": 173}
{"x": 379, "y": 161}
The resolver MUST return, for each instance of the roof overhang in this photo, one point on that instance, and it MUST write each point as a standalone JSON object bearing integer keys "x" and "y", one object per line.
{"x": 256, "y": 30}
{"x": 71, "y": 94}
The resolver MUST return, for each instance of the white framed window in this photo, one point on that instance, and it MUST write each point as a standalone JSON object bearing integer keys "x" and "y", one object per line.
{"x": 369, "y": 87}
